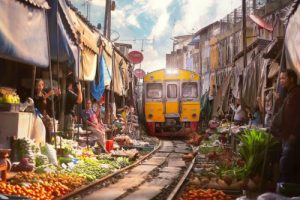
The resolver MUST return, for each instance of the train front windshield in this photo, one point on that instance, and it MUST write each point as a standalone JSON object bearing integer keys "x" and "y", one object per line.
{"x": 154, "y": 90}
{"x": 189, "y": 90}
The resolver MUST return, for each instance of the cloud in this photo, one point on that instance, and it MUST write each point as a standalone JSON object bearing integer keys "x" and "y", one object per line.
{"x": 161, "y": 26}
{"x": 132, "y": 20}
{"x": 159, "y": 19}
{"x": 100, "y": 3}
{"x": 153, "y": 59}
{"x": 197, "y": 14}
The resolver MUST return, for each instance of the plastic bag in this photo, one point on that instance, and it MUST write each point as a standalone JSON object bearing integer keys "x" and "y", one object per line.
{"x": 39, "y": 131}
{"x": 50, "y": 152}
{"x": 269, "y": 195}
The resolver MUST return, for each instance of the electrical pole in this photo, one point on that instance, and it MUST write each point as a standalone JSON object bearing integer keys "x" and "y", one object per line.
{"x": 107, "y": 19}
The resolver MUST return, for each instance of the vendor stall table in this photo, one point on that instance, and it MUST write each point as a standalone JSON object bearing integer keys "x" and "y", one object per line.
{"x": 17, "y": 124}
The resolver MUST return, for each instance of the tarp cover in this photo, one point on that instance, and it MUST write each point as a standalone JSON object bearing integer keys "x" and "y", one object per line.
{"x": 107, "y": 54}
{"x": 64, "y": 49}
{"x": 292, "y": 41}
{"x": 88, "y": 65}
{"x": 118, "y": 86}
{"x": 97, "y": 86}
{"x": 205, "y": 83}
{"x": 251, "y": 82}
{"x": 88, "y": 37}
{"x": 23, "y": 33}
{"x": 89, "y": 51}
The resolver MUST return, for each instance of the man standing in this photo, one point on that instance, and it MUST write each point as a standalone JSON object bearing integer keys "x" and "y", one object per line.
{"x": 71, "y": 100}
{"x": 290, "y": 135}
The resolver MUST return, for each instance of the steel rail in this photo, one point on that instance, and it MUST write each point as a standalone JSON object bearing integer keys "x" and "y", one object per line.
{"x": 89, "y": 186}
{"x": 181, "y": 181}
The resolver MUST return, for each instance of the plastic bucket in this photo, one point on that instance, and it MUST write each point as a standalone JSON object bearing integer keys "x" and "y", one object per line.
{"x": 109, "y": 145}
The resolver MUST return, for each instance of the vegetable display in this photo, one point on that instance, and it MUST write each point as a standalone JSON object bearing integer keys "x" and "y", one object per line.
{"x": 209, "y": 194}
{"x": 36, "y": 191}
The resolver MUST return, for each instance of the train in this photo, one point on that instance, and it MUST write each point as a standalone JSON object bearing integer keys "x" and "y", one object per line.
{"x": 171, "y": 101}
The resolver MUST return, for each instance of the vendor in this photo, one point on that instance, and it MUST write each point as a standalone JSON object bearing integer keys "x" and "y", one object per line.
{"x": 239, "y": 114}
{"x": 255, "y": 117}
{"x": 41, "y": 102}
{"x": 289, "y": 128}
{"x": 93, "y": 124}
{"x": 72, "y": 99}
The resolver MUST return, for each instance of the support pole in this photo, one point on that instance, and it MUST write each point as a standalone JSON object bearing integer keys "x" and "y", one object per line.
{"x": 33, "y": 81}
{"x": 51, "y": 80}
{"x": 244, "y": 33}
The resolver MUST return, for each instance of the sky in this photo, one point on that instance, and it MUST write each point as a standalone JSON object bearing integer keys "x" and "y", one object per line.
{"x": 150, "y": 25}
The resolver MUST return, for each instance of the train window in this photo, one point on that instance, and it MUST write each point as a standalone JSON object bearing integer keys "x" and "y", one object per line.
{"x": 154, "y": 90}
{"x": 189, "y": 90}
{"x": 172, "y": 91}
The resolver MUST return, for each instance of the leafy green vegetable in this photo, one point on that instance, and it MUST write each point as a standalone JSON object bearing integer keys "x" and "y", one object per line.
{"x": 253, "y": 149}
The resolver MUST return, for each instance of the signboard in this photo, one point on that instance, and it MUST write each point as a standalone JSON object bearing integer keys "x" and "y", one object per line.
{"x": 135, "y": 57}
{"x": 139, "y": 73}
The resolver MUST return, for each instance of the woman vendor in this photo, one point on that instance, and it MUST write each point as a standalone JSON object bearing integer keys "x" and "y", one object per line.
{"x": 94, "y": 124}
{"x": 41, "y": 102}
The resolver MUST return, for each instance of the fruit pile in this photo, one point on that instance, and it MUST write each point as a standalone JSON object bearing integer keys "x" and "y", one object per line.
{"x": 69, "y": 180}
{"x": 209, "y": 194}
{"x": 36, "y": 191}
{"x": 9, "y": 95}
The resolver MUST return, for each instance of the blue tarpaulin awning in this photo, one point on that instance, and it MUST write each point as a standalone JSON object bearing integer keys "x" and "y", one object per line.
{"x": 98, "y": 86}
{"x": 23, "y": 32}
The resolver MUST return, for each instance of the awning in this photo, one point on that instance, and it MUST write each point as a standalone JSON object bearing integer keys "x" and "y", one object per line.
{"x": 107, "y": 54}
{"x": 88, "y": 65}
{"x": 292, "y": 41}
{"x": 23, "y": 33}
{"x": 37, "y": 3}
{"x": 97, "y": 86}
{"x": 88, "y": 37}
{"x": 274, "y": 69}
{"x": 64, "y": 48}
{"x": 89, "y": 51}
{"x": 118, "y": 86}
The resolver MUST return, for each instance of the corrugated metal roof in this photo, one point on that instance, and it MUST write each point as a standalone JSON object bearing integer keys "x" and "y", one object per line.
{"x": 37, "y": 3}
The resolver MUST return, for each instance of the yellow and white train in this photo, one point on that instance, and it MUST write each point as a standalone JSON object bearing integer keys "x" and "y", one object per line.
{"x": 171, "y": 101}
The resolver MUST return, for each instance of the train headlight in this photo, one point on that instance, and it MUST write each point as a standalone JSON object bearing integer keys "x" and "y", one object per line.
{"x": 194, "y": 115}
{"x": 150, "y": 116}
{"x": 171, "y": 71}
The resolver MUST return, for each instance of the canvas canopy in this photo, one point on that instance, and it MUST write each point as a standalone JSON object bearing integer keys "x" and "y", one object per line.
{"x": 23, "y": 32}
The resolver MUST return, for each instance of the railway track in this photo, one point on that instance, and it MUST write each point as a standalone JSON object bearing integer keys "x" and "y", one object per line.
{"x": 157, "y": 175}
